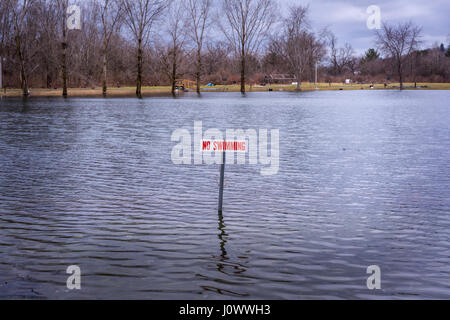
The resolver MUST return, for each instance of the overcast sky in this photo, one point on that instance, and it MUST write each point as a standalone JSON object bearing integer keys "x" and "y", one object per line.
{"x": 347, "y": 18}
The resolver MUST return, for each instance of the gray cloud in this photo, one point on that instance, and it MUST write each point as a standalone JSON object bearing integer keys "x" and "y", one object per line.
{"x": 347, "y": 18}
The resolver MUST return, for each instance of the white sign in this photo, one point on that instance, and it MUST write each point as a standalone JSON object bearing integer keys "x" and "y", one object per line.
{"x": 206, "y": 147}
{"x": 227, "y": 146}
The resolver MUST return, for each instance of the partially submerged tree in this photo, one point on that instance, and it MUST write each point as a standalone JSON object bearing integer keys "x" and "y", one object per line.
{"x": 398, "y": 42}
{"x": 247, "y": 23}
{"x": 5, "y": 29}
{"x": 171, "y": 54}
{"x": 49, "y": 46}
{"x": 111, "y": 15}
{"x": 63, "y": 5}
{"x": 139, "y": 17}
{"x": 5, "y": 25}
{"x": 19, "y": 11}
{"x": 199, "y": 18}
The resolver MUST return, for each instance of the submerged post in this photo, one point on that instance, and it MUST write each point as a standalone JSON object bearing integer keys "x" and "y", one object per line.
{"x": 222, "y": 182}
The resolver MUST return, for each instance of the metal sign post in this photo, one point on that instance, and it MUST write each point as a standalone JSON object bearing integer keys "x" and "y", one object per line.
{"x": 222, "y": 181}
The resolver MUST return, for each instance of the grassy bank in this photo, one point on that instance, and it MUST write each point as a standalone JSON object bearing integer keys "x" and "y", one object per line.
{"x": 155, "y": 91}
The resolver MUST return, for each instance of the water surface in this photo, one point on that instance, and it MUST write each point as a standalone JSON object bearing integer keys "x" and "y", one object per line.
{"x": 364, "y": 179}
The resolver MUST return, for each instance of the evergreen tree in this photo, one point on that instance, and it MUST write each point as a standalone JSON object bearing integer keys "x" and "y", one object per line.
{"x": 371, "y": 54}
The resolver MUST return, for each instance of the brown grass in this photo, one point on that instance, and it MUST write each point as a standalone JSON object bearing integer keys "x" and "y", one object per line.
{"x": 158, "y": 91}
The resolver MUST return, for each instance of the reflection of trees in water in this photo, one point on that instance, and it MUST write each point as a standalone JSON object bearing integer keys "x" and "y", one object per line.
{"x": 25, "y": 106}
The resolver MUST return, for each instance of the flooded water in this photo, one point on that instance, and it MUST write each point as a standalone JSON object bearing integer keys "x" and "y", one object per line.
{"x": 364, "y": 179}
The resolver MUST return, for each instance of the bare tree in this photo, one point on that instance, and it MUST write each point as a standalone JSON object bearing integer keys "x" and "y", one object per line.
{"x": 87, "y": 48}
{"x": 399, "y": 42}
{"x": 247, "y": 24}
{"x": 140, "y": 16}
{"x": 5, "y": 29}
{"x": 111, "y": 15}
{"x": 199, "y": 14}
{"x": 333, "y": 51}
{"x": 49, "y": 49}
{"x": 296, "y": 44}
{"x": 341, "y": 58}
{"x": 172, "y": 53}
{"x": 5, "y": 24}
{"x": 20, "y": 10}
{"x": 216, "y": 60}
{"x": 39, "y": 50}
{"x": 63, "y": 5}
{"x": 345, "y": 58}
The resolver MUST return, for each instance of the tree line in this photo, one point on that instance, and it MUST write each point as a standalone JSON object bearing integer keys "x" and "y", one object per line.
{"x": 155, "y": 42}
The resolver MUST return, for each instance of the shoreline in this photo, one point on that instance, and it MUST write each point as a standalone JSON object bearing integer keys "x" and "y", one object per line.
{"x": 164, "y": 91}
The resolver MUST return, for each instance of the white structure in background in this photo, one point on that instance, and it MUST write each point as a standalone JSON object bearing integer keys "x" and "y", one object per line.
{"x": 348, "y": 81}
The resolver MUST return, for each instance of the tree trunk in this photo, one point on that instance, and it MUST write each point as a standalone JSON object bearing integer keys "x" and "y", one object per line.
{"x": 64, "y": 55}
{"x": 64, "y": 50}
{"x": 243, "y": 73}
{"x": 299, "y": 81}
{"x": 400, "y": 75}
{"x": 23, "y": 74}
{"x": 105, "y": 89}
{"x": 48, "y": 79}
{"x": 174, "y": 72}
{"x": 199, "y": 68}
{"x": 64, "y": 70}
{"x": 139, "y": 71}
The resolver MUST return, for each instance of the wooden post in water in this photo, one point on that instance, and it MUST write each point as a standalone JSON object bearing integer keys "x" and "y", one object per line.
{"x": 222, "y": 182}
